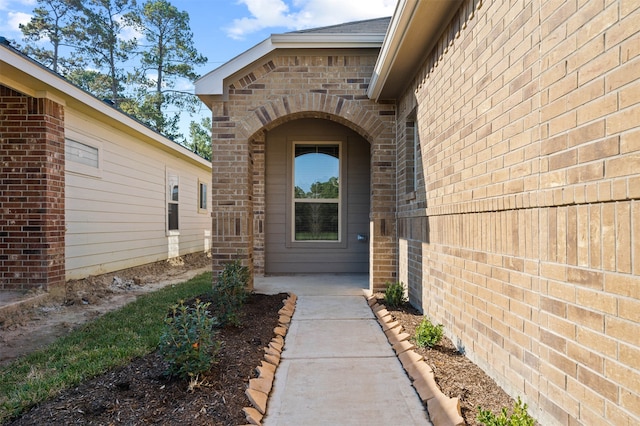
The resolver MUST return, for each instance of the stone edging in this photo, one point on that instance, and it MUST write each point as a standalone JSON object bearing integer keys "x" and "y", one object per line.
{"x": 443, "y": 411}
{"x": 260, "y": 387}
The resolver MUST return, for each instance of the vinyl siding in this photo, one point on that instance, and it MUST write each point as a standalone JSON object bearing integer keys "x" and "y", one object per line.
{"x": 116, "y": 216}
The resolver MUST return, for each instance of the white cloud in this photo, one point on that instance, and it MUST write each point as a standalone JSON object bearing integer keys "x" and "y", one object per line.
{"x": 11, "y": 22}
{"x": 300, "y": 14}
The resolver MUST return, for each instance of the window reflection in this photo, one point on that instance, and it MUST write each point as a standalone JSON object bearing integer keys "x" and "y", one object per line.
{"x": 316, "y": 192}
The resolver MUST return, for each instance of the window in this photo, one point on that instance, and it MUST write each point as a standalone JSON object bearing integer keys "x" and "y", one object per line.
{"x": 202, "y": 197}
{"x": 316, "y": 192}
{"x": 83, "y": 158}
{"x": 81, "y": 153}
{"x": 172, "y": 201}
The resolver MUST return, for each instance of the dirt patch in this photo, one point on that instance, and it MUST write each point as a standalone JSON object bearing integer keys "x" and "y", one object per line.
{"x": 42, "y": 318}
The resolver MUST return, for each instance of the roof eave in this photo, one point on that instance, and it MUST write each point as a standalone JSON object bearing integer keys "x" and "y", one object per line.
{"x": 27, "y": 76}
{"x": 414, "y": 29}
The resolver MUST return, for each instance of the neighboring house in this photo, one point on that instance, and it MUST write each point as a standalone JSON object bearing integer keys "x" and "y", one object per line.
{"x": 501, "y": 141}
{"x": 87, "y": 189}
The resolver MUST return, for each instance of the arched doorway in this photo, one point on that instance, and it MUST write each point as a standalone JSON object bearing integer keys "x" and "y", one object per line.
{"x": 317, "y": 198}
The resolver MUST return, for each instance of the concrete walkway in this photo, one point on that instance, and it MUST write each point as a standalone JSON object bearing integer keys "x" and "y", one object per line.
{"x": 337, "y": 367}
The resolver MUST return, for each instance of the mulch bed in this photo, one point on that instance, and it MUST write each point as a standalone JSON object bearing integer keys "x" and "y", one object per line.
{"x": 141, "y": 393}
{"x": 456, "y": 375}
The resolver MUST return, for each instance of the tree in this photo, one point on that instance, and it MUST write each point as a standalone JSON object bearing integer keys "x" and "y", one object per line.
{"x": 104, "y": 23}
{"x": 55, "y": 21}
{"x": 94, "y": 82}
{"x": 167, "y": 55}
{"x": 200, "y": 138}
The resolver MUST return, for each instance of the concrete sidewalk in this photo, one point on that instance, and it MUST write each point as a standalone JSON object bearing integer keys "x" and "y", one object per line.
{"x": 337, "y": 367}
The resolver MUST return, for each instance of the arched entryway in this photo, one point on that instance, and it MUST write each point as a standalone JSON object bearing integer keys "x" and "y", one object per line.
{"x": 317, "y": 175}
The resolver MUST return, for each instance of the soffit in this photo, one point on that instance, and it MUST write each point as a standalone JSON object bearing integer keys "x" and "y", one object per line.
{"x": 414, "y": 30}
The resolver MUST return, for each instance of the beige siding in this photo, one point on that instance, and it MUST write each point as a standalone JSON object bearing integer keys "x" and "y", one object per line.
{"x": 353, "y": 256}
{"x": 116, "y": 215}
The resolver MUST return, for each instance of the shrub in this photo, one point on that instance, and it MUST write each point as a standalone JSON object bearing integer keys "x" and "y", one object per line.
{"x": 427, "y": 334}
{"x": 187, "y": 342}
{"x": 519, "y": 417}
{"x": 394, "y": 295}
{"x": 230, "y": 292}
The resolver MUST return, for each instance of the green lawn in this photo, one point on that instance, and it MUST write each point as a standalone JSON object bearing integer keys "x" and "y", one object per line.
{"x": 109, "y": 341}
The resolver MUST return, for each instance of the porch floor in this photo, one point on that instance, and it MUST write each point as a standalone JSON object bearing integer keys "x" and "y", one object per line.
{"x": 337, "y": 366}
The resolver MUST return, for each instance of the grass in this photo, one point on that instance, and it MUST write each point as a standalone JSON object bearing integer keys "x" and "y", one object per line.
{"x": 111, "y": 340}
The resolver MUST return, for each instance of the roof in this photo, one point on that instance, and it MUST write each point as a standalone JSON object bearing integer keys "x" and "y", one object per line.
{"x": 25, "y": 75}
{"x": 368, "y": 26}
{"x": 359, "y": 34}
{"x": 413, "y": 31}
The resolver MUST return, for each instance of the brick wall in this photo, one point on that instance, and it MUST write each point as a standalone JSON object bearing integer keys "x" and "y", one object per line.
{"x": 523, "y": 237}
{"x": 286, "y": 86}
{"x": 32, "y": 220}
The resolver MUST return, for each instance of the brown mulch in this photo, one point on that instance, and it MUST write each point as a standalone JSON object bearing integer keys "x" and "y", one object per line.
{"x": 455, "y": 374}
{"x": 141, "y": 393}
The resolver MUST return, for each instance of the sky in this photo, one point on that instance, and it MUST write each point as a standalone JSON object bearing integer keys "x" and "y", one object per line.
{"x": 224, "y": 29}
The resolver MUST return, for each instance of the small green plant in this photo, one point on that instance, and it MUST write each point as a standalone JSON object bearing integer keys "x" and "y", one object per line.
{"x": 187, "y": 342}
{"x": 394, "y": 295}
{"x": 230, "y": 292}
{"x": 519, "y": 417}
{"x": 427, "y": 334}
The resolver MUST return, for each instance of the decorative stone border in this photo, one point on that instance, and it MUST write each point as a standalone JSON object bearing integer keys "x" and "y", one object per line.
{"x": 443, "y": 411}
{"x": 259, "y": 388}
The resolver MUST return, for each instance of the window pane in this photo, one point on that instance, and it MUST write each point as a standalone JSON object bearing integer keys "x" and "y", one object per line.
{"x": 317, "y": 171}
{"x": 173, "y": 216}
{"x": 203, "y": 196}
{"x": 316, "y": 221}
{"x": 173, "y": 187}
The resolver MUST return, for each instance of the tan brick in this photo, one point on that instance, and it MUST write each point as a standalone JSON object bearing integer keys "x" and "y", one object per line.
{"x": 635, "y": 238}
{"x": 596, "y": 300}
{"x": 630, "y": 401}
{"x": 586, "y": 133}
{"x": 608, "y": 237}
{"x": 585, "y": 317}
{"x": 624, "y": 330}
{"x": 598, "y": 383}
{"x": 597, "y": 342}
{"x": 623, "y": 120}
{"x": 630, "y": 142}
{"x": 598, "y": 66}
{"x": 623, "y": 237}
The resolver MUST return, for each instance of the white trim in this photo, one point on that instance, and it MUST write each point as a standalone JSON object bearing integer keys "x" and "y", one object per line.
{"x": 340, "y": 200}
{"x": 398, "y": 26}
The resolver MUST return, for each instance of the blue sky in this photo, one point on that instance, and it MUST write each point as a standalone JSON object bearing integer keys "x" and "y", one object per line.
{"x": 224, "y": 29}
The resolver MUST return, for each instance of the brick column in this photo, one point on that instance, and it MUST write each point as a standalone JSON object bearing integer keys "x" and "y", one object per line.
{"x": 383, "y": 254}
{"x": 32, "y": 193}
{"x": 232, "y": 170}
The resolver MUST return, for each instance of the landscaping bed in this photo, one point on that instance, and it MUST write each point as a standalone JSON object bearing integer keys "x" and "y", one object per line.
{"x": 141, "y": 393}
{"x": 454, "y": 373}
